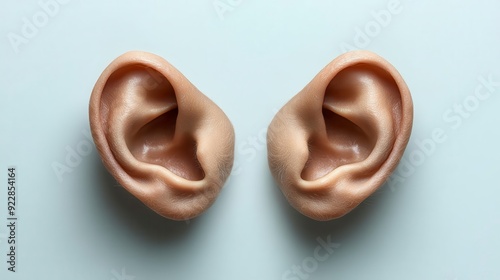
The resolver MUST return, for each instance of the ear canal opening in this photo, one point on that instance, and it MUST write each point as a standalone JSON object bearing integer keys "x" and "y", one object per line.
{"x": 149, "y": 106}
{"x": 345, "y": 143}
{"x": 154, "y": 143}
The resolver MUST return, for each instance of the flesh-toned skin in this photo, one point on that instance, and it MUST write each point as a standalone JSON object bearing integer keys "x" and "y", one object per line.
{"x": 159, "y": 136}
{"x": 337, "y": 141}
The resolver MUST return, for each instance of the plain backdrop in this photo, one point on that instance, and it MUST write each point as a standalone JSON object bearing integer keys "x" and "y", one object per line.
{"x": 437, "y": 218}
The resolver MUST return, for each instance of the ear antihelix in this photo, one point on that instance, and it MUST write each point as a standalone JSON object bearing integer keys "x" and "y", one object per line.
{"x": 336, "y": 141}
{"x": 159, "y": 136}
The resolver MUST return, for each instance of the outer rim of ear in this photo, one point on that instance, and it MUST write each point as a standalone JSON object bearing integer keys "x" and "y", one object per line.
{"x": 291, "y": 182}
{"x": 180, "y": 84}
{"x": 358, "y": 57}
{"x": 128, "y": 59}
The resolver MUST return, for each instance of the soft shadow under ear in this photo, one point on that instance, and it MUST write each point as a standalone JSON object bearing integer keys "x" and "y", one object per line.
{"x": 131, "y": 214}
{"x": 337, "y": 141}
{"x": 159, "y": 136}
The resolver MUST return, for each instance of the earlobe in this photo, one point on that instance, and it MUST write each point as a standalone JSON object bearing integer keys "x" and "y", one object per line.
{"x": 159, "y": 136}
{"x": 338, "y": 140}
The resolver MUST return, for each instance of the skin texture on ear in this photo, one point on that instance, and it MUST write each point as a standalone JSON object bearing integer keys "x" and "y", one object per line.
{"x": 337, "y": 141}
{"x": 159, "y": 136}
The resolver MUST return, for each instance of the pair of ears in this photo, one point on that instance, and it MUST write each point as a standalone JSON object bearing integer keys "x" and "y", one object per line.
{"x": 329, "y": 147}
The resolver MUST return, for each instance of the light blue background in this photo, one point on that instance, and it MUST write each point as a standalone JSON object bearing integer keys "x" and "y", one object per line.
{"x": 441, "y": 222}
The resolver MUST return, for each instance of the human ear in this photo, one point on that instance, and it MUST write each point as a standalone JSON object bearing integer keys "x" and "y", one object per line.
{"x": 337, "y": 141}
{"x": 159, "y": 136}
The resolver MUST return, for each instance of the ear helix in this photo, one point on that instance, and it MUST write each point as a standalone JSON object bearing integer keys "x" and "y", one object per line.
{"x": 336, "y": 142}
{"x": 159, "y": 136}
